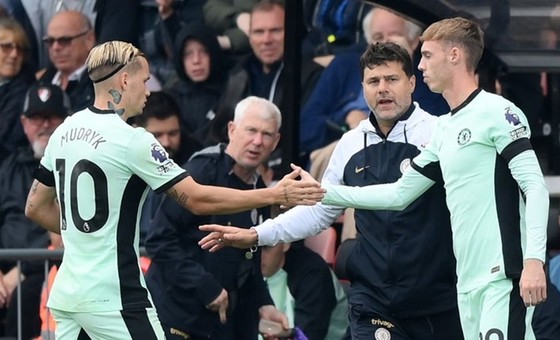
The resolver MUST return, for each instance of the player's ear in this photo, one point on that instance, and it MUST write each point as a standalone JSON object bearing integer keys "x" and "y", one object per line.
{"x": 123, "y": 80}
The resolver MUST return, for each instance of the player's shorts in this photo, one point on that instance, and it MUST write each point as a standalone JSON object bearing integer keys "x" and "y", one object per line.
{"x": 123, "y": 325}
{"x": 495, "y": 311}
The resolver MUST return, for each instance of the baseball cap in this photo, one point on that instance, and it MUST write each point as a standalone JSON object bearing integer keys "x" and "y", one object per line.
{"x": 46, "y": 99}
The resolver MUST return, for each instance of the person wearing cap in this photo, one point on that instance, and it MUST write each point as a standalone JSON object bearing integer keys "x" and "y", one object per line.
{"x": 45, "y": 107}
{"x": 90, "y": 187}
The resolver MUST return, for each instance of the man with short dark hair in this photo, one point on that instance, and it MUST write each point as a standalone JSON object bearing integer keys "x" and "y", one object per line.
{"x": 160, "y": 117}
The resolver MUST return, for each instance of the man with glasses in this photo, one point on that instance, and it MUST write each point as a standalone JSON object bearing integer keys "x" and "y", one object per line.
{"x": 15, "y": 78}
{"x": 45, "y": 108}
{"x": 69, "y": 39}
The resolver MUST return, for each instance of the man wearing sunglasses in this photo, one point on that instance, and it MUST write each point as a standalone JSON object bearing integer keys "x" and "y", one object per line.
{"x": 69, "y": 39}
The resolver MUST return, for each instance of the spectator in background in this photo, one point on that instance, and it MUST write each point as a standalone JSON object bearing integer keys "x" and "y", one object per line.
{"x": 161, "y": 21}
{"x": 15, "y": 79}
{"x": 261, "y": 74}
{"x": 305, "y": 289}
{"x": 15, "y": 9}
{"x": 111, "y": 20}
{"x": 161, "y": 117}
{"x": 200, "y": 80}
{"x": 333, "y": 26}
{"x": 46, "y": 106}
{"x": 231, "y": 19}
{"x": 221, "y": 296}
{"x": 183, "y": 12}
{"x": 69, "y": 39}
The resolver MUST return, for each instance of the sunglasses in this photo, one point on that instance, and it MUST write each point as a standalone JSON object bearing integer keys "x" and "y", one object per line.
{"x": 40, "y": 120}
{"x": 8, "y": 47}
{"x": 62, "y": 41}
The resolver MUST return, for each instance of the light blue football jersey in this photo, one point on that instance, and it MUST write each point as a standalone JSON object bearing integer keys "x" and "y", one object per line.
{"x": 474, "y": 147}
{"x": 102, "y": 169}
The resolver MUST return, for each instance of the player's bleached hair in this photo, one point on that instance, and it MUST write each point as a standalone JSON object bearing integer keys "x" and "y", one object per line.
{"x": 106, "y": 59}
{"x": 458, "y": 32}
{"x": 413, "y": 31}
{"x": 269, "y": 110}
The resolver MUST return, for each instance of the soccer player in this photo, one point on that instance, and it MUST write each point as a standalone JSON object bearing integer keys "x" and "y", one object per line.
{"x": 90, "y": 187}
{"x": 494, "y": 186}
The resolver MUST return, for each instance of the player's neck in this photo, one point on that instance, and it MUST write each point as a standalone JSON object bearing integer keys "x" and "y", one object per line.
{"x": 107, "y": 103}
{"x": 459, "y": 89}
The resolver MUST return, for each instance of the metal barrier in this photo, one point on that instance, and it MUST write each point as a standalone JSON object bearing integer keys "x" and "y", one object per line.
{"x": 22, "y": 255}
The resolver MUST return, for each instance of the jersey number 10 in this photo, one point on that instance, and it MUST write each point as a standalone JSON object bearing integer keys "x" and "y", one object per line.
{"x": 100, "y": 199}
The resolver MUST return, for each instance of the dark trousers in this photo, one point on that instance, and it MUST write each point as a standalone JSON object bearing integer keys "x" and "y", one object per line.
{"x": 367, "y": 324}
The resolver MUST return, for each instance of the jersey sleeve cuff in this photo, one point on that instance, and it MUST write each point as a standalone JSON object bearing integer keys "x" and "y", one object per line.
{"x": 44, "y": 176}
{"x": 171, "y": 183}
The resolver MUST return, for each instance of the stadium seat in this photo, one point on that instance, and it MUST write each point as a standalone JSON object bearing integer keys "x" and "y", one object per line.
{"x": 323, "y": 244}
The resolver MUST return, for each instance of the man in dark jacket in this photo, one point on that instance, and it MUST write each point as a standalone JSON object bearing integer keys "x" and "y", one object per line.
{"x": 402, "y": 268}
{"x": 222, "y": 296}
{"x": 201, "y": 77}
{"x": 45, "y": 108}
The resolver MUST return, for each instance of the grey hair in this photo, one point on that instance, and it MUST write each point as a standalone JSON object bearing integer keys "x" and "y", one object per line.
{"x": 413, "y": 31}
{"x": 269, "y": 110}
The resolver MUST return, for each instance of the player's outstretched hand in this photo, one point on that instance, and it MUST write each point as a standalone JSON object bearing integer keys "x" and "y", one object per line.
{"x": 305, "y": 191}
{"x": 532, "y": 285}
{"x": 221, "y": 236}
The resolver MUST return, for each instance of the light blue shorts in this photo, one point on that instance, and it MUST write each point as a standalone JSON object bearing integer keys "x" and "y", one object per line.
{"x": 492, "y": 311}
{"x": 123, "y": 325}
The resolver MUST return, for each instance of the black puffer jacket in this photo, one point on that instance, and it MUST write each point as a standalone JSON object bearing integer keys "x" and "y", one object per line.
{"x": 197, "y": 101}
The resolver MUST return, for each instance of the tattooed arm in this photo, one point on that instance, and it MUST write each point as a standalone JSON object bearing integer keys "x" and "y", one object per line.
{"x": 42, "y": 207}
{"x": 209, "y": 200}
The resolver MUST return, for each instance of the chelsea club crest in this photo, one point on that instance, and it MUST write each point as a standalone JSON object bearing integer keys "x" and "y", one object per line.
{"x": 464, "y": 137}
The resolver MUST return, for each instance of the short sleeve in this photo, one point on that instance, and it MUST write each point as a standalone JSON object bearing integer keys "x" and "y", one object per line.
{"x": 510, "y": 128}
{"x": 149, "y": 160}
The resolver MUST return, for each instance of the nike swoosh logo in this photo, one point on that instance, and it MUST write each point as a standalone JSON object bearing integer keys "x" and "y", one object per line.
{"x": 358, "y": 170}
